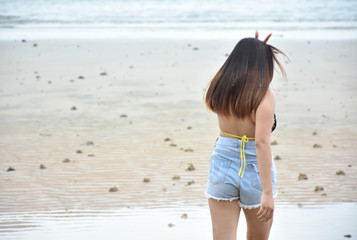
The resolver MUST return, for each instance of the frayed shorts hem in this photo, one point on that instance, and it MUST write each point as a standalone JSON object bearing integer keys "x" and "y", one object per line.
{"x": 248, "y": 206}
{"x": 236, "y": 198}
{"x": 221, "y": 199}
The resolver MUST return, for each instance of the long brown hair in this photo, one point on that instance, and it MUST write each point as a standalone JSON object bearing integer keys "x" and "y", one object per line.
{"x": 241, "y": 83}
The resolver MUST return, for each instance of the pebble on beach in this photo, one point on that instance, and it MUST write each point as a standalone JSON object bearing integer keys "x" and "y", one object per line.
{"x": 340, "y": 172}
{"x": 91, "y": 155}
{"x": 167, "y": 139}
{"x": 79, "y": 151}
{"x": 66, "y": 160}
{"x": 173, "y": 145}
{"x": 190, "y": 183}
{"x": 277, "y": 157}
{"x": 80, "y": 77}
{"x": 74, "y": 108}
{"x": 10, "y": 169}
{"x": 146, "y": 180}
{"x": 170, "y": 225}
{"x": 42, "y": 166}
{"x": 34, "y": 45}
{"x": 302, "y": 176}
{"x": 190, "y": 167}
{"x": 176, "y": 177}
{"x": 184, "y": 216}
{"x": 123, "y": 116}
{"x": 189, "y": 128}
{"x": 348, "y": 236}
{"x": 316, "y": 145}
{"x": 113, "y": 189}
{"x": 103, "y": 74}
{"x": 314, "y": 132}
{"x": 319, "y": 188}
{"x": 89, "y": 143}
{"x": 188, "y": 150}
{"x": 274, "y": 142}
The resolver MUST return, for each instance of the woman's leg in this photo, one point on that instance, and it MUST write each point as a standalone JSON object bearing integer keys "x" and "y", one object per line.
{"x": 225, "y": 216}
{"x": 256, "y": 230}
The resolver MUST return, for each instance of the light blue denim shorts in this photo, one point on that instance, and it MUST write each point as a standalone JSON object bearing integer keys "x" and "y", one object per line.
{"x": 224, "y": 181}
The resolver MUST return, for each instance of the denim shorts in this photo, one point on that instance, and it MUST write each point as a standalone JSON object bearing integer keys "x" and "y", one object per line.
{"x": 225, "y": 183}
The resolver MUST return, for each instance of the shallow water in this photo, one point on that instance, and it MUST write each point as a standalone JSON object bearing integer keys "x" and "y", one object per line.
{"x": 290, "y": 222}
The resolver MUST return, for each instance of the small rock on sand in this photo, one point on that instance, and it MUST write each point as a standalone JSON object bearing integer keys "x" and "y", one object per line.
{"x": 80, "y": 77}
{"x": 349, "y": 165}
{"x": 10, "y": 169}
{"x": 314, "y": 132}
{"x": 195, "y": 48}
{"x": 123, "y": 116}
{"x": 274, "y": 142}
{"x": 340, "y": 172}
{"x": 176, "y": 177}
{"x": 316, "y": 145}
{"x": 190, "y": 183}
{"x": 89, "y": 143}
{"x": 302, "y": 176}
{"x": 91, "y": 155}
{"x": 42, "y": 166}
{"x": 23, "y": 40}
{"x": 184, "y": 216}
{"x": 173, "y": 145}
{"x": 103, "y": 74}
{"x": 34, "y": 45}
{"x": 146, "y": 180}
{"x": 79, "y": 151}
{"x": 189, "y": 128}
{"x": 190, "y": 167}
{"x": 167, "y": 139}
{"x": 170, "y": 225}
{"x": 188, "y": 150}
{"x": 74, "y": 108}
{"x": 319, "y": 188}
{"x": 277, "y": 157}
{"x": 113, "y": 189}
{"x": 323, "y": 194}
{"x": 66, "y": 160}
{"x": 348, "y": 236}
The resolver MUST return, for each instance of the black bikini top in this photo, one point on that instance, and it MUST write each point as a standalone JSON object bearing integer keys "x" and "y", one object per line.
{"x": 274, "y": 125}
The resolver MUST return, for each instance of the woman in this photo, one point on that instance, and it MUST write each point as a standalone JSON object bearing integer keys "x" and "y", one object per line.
{"x": 241, "y": 166}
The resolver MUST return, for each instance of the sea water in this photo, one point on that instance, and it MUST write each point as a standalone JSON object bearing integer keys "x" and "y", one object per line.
{"x": 176, "y": 18}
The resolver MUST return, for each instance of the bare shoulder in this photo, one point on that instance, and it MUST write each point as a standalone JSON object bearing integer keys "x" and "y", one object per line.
{"x": 268, "y": 100}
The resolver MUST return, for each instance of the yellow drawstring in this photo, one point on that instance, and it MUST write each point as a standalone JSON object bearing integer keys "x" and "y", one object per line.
{"x": 244, "y": 139}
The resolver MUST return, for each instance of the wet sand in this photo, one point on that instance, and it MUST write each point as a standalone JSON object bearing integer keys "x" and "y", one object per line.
{"x": 100, "y": 114}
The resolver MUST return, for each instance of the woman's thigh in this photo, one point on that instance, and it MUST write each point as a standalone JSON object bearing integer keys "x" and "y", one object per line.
{"x": 225, "y": 216}
{"x": 255, "y": 228}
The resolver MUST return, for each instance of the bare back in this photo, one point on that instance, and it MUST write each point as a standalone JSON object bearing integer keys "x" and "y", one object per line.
{"x": 237, "y": 126}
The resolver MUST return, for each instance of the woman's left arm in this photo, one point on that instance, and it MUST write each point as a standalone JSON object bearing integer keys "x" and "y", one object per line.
{"x": 264, "y": 119}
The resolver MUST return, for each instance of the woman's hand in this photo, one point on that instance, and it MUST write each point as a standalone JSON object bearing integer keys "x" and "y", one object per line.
{"x": 266, "y": 210}
{"x": 266, "y": 39}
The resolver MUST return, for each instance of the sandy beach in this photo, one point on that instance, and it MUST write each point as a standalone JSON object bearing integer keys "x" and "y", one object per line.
{"x": 120, "y": 125}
